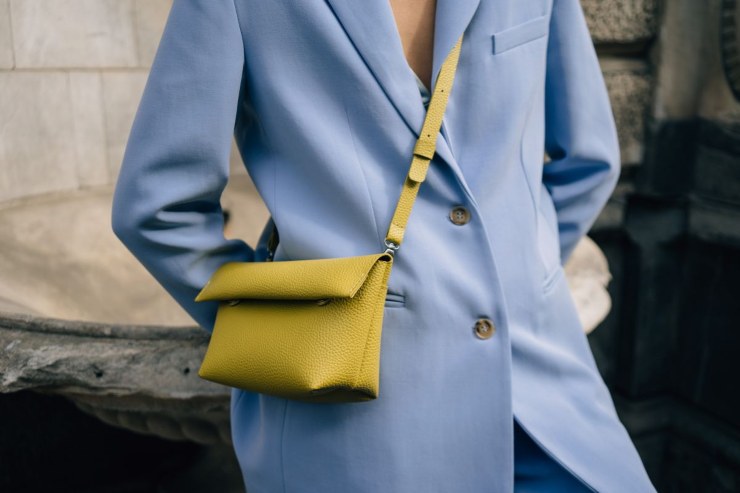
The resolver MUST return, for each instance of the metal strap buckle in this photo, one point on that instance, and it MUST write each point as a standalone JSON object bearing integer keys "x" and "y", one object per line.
{"x": 391, "y": 247}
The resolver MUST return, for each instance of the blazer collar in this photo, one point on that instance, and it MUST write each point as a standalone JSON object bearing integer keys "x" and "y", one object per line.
{"x": 451, "y": 20}
{"x": 371, "y": 27}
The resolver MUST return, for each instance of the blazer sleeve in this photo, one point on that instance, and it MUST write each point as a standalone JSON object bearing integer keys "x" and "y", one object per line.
{"x": 166, "y": 205}
{"x": 580, "y": 133}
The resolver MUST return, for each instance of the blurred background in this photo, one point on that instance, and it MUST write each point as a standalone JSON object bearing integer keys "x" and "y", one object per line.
{"x": 97, "y": 397}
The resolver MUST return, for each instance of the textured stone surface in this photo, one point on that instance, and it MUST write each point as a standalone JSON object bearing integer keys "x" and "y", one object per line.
{"x": 53, "y": 137}
{"x": 730, "y": 44}
{"x": 621, "y": 21}
{"x": 92, "y": 276}
{"x": 685, "y": 53}
{"x": 121, "y": 94}
{"x": 89, "y": 128}
{"x": 143, "y": 378}
{"x": 37, "y": 138}
{"x": 6, "y": 37}
{"x": 675, "y": 338}
{"x": 690, "y": 80}
{"x": 630, "y": 90}
{"x": 151, "y": 16}
{"x": 73, "y": 33}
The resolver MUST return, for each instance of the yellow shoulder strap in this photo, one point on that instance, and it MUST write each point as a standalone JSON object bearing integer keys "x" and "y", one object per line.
{"x": 424, "y": 149}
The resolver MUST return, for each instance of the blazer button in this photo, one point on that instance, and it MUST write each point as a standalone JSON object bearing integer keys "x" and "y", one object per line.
{"x": 460, "y": 215}
{"x": 484, "y": 328}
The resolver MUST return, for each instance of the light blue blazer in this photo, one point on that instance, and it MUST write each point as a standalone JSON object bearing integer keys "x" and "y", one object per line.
{"x": 325, "y": 110}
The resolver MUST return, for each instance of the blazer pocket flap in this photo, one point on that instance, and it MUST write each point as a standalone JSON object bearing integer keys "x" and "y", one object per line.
{"x": 311, "y": 279}
{"x": 519, "y": 34}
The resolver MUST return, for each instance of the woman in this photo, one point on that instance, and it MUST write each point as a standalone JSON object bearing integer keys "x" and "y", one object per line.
{"x": 487, "y": 381}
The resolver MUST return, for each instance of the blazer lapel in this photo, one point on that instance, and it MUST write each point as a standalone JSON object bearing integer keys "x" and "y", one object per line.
{"x": 371, "y": 27}
{"x": 450, "y": 22}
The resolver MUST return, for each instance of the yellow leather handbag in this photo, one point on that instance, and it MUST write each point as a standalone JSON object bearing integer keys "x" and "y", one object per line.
{"x": 311, "y": 329}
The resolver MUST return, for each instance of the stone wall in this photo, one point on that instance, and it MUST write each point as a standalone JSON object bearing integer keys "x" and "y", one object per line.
{"x": 672, "y": 237}
{"x": 623, "y": 30}
{"x": 71, "y": 75}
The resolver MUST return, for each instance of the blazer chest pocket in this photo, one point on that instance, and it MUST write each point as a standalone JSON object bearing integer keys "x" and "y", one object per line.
{"x": 520, "y": 34}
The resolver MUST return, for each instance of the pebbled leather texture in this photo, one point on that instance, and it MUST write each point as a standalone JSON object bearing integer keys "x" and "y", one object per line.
{"x": 311, "y": 329}
{"x": 315, "y": 350}
{"x": 311, "y": 279}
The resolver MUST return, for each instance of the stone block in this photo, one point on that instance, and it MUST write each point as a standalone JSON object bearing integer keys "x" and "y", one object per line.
{"x": 6, "y": 38}
{"x": 54, "y": 139}
{"x": 122, "y": 93}
{"x": 73, "y": 33}
{"x": 89, "y": 262}
{"x": 37, "y": 152}
{"x": 629, "y": 84}
{"x": 151, "y": 16}
{"x": 690, "y": 79}
{"x": 89, "y": 128}
{"x": 621, "y": 21}
{"x": 143, "y": 378}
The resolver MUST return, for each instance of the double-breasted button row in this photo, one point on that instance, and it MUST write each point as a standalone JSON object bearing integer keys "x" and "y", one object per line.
{"x": 459, "y": 215}
{"x": 484, "y": 328}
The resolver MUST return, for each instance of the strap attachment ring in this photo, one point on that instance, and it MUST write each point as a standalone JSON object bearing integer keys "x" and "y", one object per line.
{"x": 391, "y": 247}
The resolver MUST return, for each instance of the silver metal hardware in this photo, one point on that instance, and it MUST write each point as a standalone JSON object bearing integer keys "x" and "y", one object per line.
{"x": 233, "y": 302}
{"x": 323, "y": 302}
{"x": 391, "y": 247}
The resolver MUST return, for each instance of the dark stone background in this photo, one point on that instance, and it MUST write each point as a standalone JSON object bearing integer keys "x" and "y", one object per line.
{"x": 669, "y": 348}
{"x": 47, "y": 444}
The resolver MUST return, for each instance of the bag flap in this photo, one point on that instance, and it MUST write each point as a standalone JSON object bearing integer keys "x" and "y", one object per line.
{"x": 311, "y": 279}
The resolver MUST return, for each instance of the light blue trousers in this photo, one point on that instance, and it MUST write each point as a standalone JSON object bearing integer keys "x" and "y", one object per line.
{"x": 536, "y": 472}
